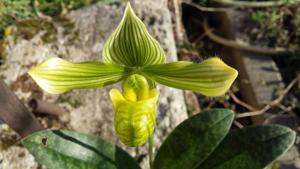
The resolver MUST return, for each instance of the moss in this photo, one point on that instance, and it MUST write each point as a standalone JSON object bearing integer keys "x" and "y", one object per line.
{"x": 279, "y": 27}
{"x": 68, "y": 31}
{"x": 8, "y": 138}
{"x": 27, "y": 29}
{"x": 12, "y": 11}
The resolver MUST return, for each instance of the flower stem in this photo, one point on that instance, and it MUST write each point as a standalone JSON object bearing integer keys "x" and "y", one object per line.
{"x": 150, "y": 152}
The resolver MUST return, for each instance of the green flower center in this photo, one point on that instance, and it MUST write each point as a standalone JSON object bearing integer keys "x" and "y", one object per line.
{"x": 135, "y": 88}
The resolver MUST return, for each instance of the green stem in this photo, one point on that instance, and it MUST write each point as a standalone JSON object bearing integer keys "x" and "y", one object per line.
{"x": 150, "y": 152}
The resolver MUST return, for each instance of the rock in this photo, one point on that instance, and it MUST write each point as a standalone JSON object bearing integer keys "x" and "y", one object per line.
{"x": 80, "y": 36}
{"x": 192, "y": 104}
{"x": 13, "y": 156}
{"x": 291, "y": 159}
{"x": 17, "y": 157}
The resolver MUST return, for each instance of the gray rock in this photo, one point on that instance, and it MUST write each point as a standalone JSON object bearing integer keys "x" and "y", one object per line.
{"x": 80, "y": 37}
{"x": 13, "y": 156}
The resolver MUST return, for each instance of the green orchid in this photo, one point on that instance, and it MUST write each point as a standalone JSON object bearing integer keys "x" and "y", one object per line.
{"x": 134, "y": 110}
{"x": 132, "y": 55}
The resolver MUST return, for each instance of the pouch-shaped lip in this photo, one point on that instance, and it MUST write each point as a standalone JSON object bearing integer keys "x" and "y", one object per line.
{"x": 117, "y": 98}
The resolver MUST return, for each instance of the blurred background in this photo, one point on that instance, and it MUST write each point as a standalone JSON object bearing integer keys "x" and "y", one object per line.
{"x": 260, "y": 38}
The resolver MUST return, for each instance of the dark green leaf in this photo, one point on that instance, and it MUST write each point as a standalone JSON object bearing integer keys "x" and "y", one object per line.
{"x": 250, "y": 148}
{"x": 61, "y": 149}
{"x": 194, "y": 140}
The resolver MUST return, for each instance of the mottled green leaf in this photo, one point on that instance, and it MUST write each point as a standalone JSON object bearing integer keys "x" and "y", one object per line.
{"x": 194, "y": 140}
{"x": 212, "y": 77}
{"x": 197, "y": 143}
{"x": 61, "y": 149}
{"x": 131, "y": 44}
{"x": 250, "y": 148}
{"x": 56, "y": 75}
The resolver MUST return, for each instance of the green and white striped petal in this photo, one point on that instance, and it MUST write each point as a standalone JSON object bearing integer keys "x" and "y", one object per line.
{"x": 212, "y": 77}
{"x": 131, "y": 44}
{"x": 57, "y": 76}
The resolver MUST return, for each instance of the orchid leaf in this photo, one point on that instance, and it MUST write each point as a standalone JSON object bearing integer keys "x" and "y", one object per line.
{"x": 192, "y": 141}
{"x": 212, "y": 77}
{"x": 57, "y": 76}
{"x": 252, "y": 147}
{"x": 131, "y": 44}
{"x": 62, "y": 149}
{"x": 202, "y": 142}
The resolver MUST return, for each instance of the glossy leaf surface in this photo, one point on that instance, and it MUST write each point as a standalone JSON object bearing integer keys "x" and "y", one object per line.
{"x": 194, "y": 140}
{"x": 61, "y": 149}
{"x": 250, "y": 148}
{"x": 212, "y": 77}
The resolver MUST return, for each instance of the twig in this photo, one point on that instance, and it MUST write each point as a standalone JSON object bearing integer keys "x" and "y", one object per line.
{"x": 207, "y": 9}
{"x": 233, "y": 43}
{"x": 255, "y": 4}
{"x": 40, "y": 106}
{"x": 238, "y": 124}
{"x": 271, "y": 104}
{"x": 178, "y": 22}
{"x": 240, "y": 102}
{"x": 196, "y": 41}
{"x": 284, "y": 108}
{"x": 241, "y": 46}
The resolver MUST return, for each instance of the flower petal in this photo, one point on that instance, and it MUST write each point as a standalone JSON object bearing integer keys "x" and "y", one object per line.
{"x": 134, "y": 121}
{"x": 131, "y": 44}
{"x": 212, "y": 77}
{"x": 57, "y": 76}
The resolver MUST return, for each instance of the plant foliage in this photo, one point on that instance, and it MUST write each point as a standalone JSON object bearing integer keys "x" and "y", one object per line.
{"x": 202, "y": 141}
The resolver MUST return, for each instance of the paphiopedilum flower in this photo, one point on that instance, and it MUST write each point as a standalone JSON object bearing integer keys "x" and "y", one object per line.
{"x": 132, "y": 54}
{"x": 134, "y": 110}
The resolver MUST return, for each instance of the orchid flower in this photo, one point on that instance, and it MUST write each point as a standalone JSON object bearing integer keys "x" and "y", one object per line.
{"x": 131, "y": 55}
